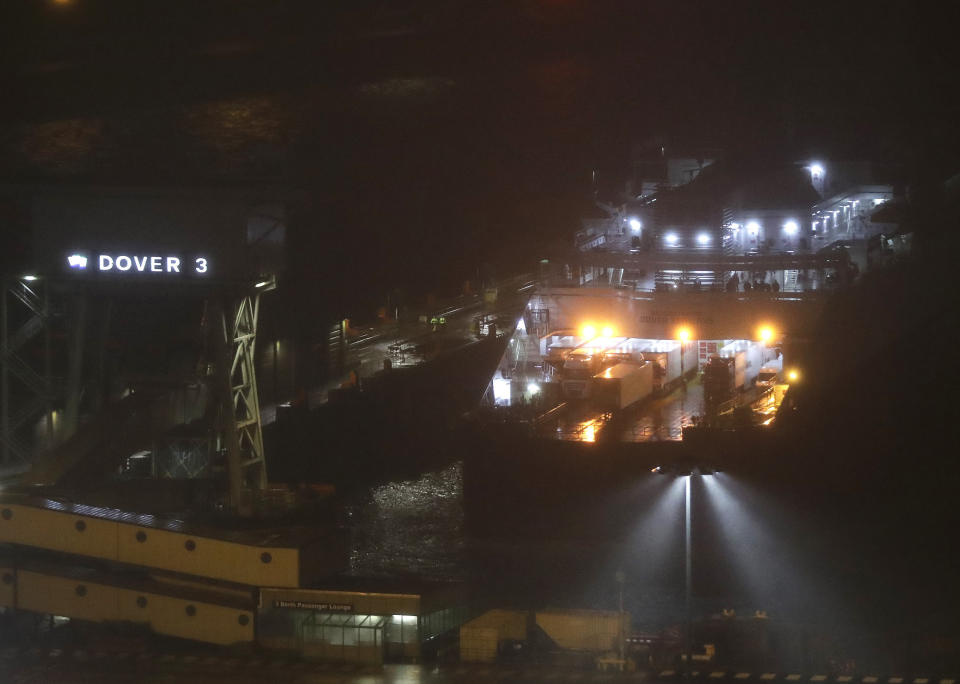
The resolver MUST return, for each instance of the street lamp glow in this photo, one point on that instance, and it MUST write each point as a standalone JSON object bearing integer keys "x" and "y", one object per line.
{"x": 816, "y": 170}
{"x": 588, "y": 331}
{"x": 670, "y": 238}
{"x": 791, "y": 227}
{"x": 635, "y": 225}
{"x": 766, "y": 333}
{"x": 703, "y": 238}
{"x": 753, "y": 228}
{"x": 607, "y": 331}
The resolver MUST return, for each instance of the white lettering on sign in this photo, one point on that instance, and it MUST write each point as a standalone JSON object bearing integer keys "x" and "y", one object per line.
{"x": 141, "y": 264}
{"x": 314, "y": 605}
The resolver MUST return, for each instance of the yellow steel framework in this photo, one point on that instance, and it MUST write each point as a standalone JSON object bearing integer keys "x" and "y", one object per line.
{"x": 239, "y": 402}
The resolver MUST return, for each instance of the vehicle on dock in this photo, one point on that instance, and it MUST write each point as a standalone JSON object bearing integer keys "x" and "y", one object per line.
{"x": 719, "y": 379}
{"x": 623, "y": 385}
{"x": 579, "y": 367}
{"x": 767, "y": 377}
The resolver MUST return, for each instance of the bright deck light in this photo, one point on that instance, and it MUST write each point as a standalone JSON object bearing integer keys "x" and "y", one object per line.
{"x": 791, "y": 227}
{"x": 766, "y": 333}
{"x": 753, "y": 227}
{"x": 793, "y": 376}
{"x": 703, "y": 238}
{"x": 533, "y": 388}
{"x": 635, "y": 225}
{"x": 683, "y": 334}
{"x": 670, "y": 238}
{"x": 607, "y": 331}
{"x": 588, "y": 331}
{"x": 816, "y": 170}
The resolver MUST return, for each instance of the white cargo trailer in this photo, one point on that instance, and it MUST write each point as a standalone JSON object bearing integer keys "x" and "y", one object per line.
{"x": 622, "y": 385}
{"x": 666, "y": 354}
{"x": 747, "y": 360}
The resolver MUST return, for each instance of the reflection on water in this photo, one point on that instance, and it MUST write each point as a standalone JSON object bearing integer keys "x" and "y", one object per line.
{"x": 411, "y": 527}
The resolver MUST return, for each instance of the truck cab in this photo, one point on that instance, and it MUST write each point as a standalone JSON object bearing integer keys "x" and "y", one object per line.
{"x": 767, "y": 377}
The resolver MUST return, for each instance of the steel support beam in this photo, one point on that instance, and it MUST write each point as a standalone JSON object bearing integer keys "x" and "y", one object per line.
{"x": 25, "y": 314}
{"x": 239, "y": 403}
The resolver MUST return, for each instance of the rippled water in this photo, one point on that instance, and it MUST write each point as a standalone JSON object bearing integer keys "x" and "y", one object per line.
{"x": 411, "y": 527}
{"x": 417, "y": 529}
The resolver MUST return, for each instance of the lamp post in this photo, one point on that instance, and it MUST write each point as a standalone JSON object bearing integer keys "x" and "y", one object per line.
{"x": 687, "y": 473}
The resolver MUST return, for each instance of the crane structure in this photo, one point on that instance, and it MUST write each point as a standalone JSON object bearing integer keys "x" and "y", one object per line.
{"x": 130, "y": 333}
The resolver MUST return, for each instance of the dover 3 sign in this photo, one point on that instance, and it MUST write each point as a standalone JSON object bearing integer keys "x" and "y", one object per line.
{"x": 135, "y": 263}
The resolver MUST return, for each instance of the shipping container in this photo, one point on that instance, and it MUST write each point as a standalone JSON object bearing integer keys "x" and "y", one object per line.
{"x": 584, "y": 630}
{"x": 481, "y": 637}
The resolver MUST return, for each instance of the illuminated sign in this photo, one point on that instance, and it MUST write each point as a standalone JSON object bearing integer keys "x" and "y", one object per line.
{"x": 123, "y": 263}
{"x": 313, "y": 605}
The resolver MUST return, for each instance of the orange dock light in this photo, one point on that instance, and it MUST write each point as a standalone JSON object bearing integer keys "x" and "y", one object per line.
{"x": 683, "y": 334}
{"x": 607, "y": 331}
{"x": 588, "y": 331}
{"x": 793, "y": 375}
{"x": 766, "y": 333}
